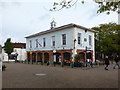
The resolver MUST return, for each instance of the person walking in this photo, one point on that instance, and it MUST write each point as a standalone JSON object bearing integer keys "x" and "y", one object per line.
{"x": 91, "y": 64}
{"x": 106, "y": 62}
{"x": 87, "y": 60}
{"x": 47, "y": 63}
{"x": 116, "y": 62}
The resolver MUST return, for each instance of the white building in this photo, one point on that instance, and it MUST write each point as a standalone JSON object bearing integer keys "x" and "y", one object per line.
{"x": 18, "y": 48}
{"x": 60, "y": 44}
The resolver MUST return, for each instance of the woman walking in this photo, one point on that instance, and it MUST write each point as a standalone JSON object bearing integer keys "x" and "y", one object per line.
{"x": 116, "y": 62}
{"x": 106, "y": 62}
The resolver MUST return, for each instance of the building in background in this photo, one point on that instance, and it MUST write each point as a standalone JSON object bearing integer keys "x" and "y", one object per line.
{"x": 0, "y": 58}
{"x": 60, "y": 44}
{"x": 19, "y": 49}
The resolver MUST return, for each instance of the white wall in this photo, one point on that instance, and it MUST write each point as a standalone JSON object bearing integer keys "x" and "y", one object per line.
{"x": 58, "y": 40}
{"x": 21, "y": 53}
{"x": 4, "y": 55}
{"x": 84, "y": 35}
{"x": 85, "y": 43}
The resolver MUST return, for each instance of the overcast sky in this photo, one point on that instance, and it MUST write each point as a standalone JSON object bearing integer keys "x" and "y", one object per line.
{"x": 23, "y": 18}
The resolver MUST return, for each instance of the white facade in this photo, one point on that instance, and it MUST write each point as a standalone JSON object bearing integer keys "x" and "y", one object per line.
{"x": 48, "y": 37}
{"x": 71, "y": 32}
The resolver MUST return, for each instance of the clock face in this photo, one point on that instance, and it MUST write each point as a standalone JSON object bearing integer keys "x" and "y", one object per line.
{"x": 54, "y": 51}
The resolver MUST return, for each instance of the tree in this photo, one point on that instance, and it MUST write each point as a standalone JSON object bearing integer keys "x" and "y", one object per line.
{"x": 8, "y": 47}
{"x": 107, "y": 39}
{"x": 108, "y": 6}
{"x": 103, "y": 6}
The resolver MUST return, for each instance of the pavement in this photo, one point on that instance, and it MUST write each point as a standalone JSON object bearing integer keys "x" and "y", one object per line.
{"x": 20, "y": 75}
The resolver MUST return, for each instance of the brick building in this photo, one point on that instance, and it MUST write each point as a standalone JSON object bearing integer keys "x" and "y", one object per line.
{"x": 60, "y": 44}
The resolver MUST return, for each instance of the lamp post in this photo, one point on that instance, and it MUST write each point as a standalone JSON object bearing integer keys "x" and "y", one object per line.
{"x": 86, "y": 55}
{"x": 54, "y": 56}
{"x": 72, "y": 64}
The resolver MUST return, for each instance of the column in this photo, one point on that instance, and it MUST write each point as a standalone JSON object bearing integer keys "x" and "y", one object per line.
{"x": 85, "y": 57}
{"x": 51, "y": 58}
{"x": 62, "y": 59}
{"x": 43, "y": 58}
{"x": 36, "y": 57}
{"x": 30, "y": 56}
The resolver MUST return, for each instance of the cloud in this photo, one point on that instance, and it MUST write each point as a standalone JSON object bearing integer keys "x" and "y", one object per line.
{"x": 28, "y": 0}
{"x": 28, "y": 18}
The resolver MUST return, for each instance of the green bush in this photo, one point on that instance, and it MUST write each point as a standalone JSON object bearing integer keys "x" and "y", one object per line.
{"x": 77, "y": 58}
{"x": 3, "y": 66}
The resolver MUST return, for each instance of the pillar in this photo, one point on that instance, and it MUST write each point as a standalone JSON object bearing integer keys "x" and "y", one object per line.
{"x": 36, "y": 57}
{"x": 43, "y": 58}
{"x": 30, "y": 57}
{"x": 62, "y": 59}
{"x": 51, "y": 58}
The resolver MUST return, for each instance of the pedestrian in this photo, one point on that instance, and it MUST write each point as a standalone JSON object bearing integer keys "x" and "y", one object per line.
{"x": 106, "y": 62}
{"x": 16, "y": 57}
{"x": 47, "y": 63}
{"x": 116, "y": 62}
{"x": 91, "y": 64}
{"x": 54, "y": 63}
{"x": 87, "y": 60}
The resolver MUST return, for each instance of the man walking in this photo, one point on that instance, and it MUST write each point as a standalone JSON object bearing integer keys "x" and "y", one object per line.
{"x": 116, "y": 62}
{"x": 106, "y": 62}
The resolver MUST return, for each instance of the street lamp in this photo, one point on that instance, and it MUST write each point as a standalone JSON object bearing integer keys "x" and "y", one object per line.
{"x": 73, "y": 52}
{"x": 86, "y": 55}
{"x": 74, "y": 42}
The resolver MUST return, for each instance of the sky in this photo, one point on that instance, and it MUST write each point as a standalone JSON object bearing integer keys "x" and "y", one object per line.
{"x": 21, "y": 18}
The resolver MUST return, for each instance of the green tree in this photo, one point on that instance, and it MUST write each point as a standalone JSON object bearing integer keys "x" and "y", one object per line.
{"x": 105, "y": 6}
{"x": 8, "y": 47}
{"x": 108, "y": 6}
{"x": 107, "y": 38}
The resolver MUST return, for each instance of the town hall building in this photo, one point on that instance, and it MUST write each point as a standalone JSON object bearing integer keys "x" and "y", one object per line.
{"x": 61, "y": 44}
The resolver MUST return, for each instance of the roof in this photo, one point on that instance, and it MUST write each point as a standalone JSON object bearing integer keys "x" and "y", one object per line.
{"x": 18, "y": 45}
{"x": 58, "y": 29}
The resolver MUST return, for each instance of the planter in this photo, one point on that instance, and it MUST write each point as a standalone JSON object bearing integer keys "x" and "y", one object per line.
{"x": 3, "y": 69}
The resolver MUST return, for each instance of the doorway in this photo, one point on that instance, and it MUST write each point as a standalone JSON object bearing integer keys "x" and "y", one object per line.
{"x": 57, "y": 58}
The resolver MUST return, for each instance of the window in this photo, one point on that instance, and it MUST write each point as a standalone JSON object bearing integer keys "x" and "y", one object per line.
{"x": 79, "y": 38}
{"x": 63, "y": 39}
{"x": 36, "y": 43}
{"x": 30, "y": 44}
{"x": 85, "y": 39}
{"x": 53, "y": 40}
{"x": 44, "y": 44}
{"x": 90, "y": 40}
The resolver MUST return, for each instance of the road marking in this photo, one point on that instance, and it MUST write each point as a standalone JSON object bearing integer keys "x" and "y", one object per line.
{"x": 40, "y": 74}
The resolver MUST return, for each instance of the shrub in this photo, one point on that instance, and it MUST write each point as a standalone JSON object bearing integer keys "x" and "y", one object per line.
{"x": 3, "y": 66}
{"x": 77, "y": 58}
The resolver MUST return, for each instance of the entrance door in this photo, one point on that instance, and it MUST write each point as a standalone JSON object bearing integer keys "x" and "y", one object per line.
{"x": 57, "y": 57}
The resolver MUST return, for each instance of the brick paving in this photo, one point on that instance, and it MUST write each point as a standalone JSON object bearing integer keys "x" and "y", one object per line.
{"x": 20, "y": 75}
